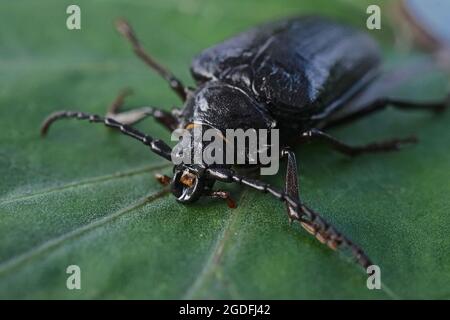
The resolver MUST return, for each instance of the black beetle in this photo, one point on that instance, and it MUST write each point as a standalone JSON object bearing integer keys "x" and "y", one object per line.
{"x": 297, "y": 75}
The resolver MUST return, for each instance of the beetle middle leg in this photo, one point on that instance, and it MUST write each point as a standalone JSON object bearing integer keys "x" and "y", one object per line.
{"x": 135, "y": 115}
{"x": 175, "y": 84}
{"x": 380, "y": 146}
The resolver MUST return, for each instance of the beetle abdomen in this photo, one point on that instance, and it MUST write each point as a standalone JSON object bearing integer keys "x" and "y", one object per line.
{"x": 297, "y": 67}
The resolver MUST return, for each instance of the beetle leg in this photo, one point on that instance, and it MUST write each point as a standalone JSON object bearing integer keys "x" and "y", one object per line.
{"x": 115, "y": 106}
{"x": 176, "y": 85}
{"x": 291, "y": 187}
{"x": 225, "y": 195}
{"x": 382, "y": 103}
{"x": 163, "y": 179}
{"x": 133, "y": 116}
{"x": 292, "y": 190}
{"x": 380, "y": 146}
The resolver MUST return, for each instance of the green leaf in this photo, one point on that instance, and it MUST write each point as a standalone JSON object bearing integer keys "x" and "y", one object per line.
{"x": 86, "y": 196}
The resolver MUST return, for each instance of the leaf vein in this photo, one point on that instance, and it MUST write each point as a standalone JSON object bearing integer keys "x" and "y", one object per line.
{"x": 55, "y": 242}
{"x": 216, "y": 253}
{"x": 90, "y": 181}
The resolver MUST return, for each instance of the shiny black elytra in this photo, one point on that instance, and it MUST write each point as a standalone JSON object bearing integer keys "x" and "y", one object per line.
{"x": 298, "y": 75}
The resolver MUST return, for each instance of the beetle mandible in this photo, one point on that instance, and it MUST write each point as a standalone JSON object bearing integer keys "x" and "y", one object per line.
{"x": 297, "y": 75}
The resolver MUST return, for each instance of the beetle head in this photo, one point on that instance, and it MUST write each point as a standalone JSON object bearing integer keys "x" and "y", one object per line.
{"x": 189, "y": 183}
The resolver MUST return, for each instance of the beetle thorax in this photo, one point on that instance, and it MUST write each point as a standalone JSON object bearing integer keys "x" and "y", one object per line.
{"x": 223, "y": 106}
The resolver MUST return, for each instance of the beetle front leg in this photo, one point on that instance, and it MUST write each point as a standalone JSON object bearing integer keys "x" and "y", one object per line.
{"x": 130, "y": 117}
{"x": 380, "y": 146}
{"x": 162, "y": 179}
{"x": 225, "y": 195}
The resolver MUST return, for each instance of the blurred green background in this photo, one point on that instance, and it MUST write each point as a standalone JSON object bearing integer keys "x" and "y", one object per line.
{"x": 79, "y": 197}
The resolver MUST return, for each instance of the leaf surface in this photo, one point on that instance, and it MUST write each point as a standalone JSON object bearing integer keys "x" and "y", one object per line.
{"x": 87, "y": 196}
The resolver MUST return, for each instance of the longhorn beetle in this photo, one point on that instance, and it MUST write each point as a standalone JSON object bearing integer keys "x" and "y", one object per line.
{"x": 297, "y": 75}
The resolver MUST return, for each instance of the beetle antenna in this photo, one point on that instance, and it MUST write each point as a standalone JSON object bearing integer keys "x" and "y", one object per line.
{"x": 157, "y": 146}
{"x": 312, "y": 221}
